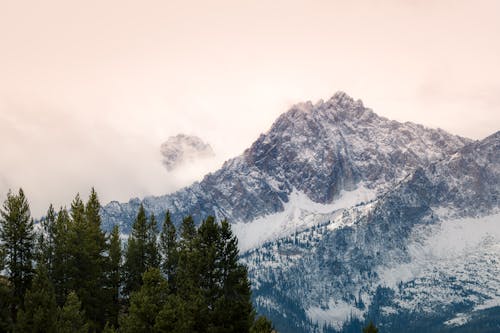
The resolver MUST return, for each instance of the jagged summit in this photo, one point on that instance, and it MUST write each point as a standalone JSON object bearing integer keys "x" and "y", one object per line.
{"x": 319, "y": 150}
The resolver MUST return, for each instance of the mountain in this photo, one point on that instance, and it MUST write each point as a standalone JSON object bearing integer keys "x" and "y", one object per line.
{"x": 421, "y": 257}
{"x": 344, "y": 216}
{"x": 317, "y": 150}
{"x": 182, "y": 148}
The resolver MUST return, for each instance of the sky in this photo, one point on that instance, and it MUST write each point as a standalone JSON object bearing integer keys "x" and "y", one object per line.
{"x": 90, "y": 89}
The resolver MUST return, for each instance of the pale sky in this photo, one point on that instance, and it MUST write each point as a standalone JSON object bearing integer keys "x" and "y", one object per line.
{"x": 90, "y": 89}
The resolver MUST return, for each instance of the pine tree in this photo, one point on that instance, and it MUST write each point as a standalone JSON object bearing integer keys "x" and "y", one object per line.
{"x": 233, "y": 310}
{"x": 109, "y": 328}
{"x": 59, "y": 275}
{"x": 152, "y": 253}
{"x": 262, "y": 325}
{"x": 96, "y": 247}
{"x": 71, "y": 318}
{"x": 169, "y": 251}
{"x": 136, "y": 260}
{"x": 5, "y": 298}
{"x": 17, "y": 237}
{"x": 146, "y": 303}
{"x": 86, "y": 246}
{"x": 370, "y": 328}
{"x": 188, "y": 231}
{"x": 188, "y": 277}
{"x": 40, "y": 314}
{"x": 210, "y": 282}
{"x": 114, "y": 276}
{"x": 175, "y": 316}
{"x": 46, "y": 239}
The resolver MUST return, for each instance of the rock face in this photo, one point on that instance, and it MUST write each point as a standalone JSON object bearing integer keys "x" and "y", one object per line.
{"x": 345, "y": 216}
{"x": 182, "y": 148}
{"x": 319, "y": 150}
{"x": 425, "y": 251}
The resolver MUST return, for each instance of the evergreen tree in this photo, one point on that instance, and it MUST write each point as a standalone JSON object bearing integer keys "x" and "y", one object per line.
{"x": 169, "y": 251}
{"x": 370, "y": 328}
{"x": 210, "y": 281}
{"x": 188, "y": 276}
{"x": 59, "y": 274}
{"x": 85, "y": 246}
{"x": 175, "y": 316}
{"x": 5, "y": 298}
{"x": 109, "y": 328}
{"x": 71, "y": 318}
{"x": 46, "y": 239}
{"x": 188, "y": 232}
{"x": 233, "y": 311}
{"x": 146, "y": 303}
{"x": 114, "y": 276}
{"x": 17, "y": 238}
{"x": 152, "y": 253}
{"x": 40, "y": 314}
{"x": 136, "y": 259}
{"x": 95, "y": 301}
{"x": 262, "y": 325}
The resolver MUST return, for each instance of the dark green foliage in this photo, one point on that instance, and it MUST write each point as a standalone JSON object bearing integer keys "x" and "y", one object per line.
{"x": 60, "y": 265}
{"x": 71, "y": 318}
{"x": 5, "y": 305}
{"x": 45, "y": 240}
{"x": 40, "y": 313}
{"x": 175, "y": 316}
{"x": 262, "y": 325}
{"x": 169, "y": 251}
{"x": 136, "y": 255}
{"x": 86, "y": 247}
{"x": 370, "y": 328}
{"x": 80, "y": 284}
{"x": 146, "y": 303}
{"x": 152, "y": 252}
{"x": 109, "y": 328}
{"x": 114, "y": 277}
{"x": 17, "y": 237}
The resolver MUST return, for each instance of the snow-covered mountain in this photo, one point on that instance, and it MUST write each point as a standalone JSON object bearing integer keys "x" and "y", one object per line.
{"x": 424, "y": 253}
{"x": 182, "y": 149}
{"x": 317, "y": 150}
{"x": 344, "y": 215}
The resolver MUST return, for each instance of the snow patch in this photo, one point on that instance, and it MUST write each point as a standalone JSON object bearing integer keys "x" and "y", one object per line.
{"x": 299, "y": 213}
{"x": 335, "y": 314}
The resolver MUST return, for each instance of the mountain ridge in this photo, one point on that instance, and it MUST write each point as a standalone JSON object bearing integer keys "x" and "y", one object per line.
{"x": 259, "y": 182}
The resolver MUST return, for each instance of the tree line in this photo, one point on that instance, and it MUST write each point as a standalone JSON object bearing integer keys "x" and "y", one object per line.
{"x": 66, "y": 274}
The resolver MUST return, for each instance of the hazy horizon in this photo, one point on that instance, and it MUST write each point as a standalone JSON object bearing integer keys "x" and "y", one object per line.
{"x": 89, "y": 92}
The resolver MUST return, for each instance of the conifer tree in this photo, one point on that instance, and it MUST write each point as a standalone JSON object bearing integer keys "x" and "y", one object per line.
{"x": 262, "y": 325}
{"x": 169, "y": 251}
{"x": 146, "y": 303}
{"x": 152, "y": 253}
{"x": 210, "y": 282}
{"x": 136, "y": 260}
{"x": 46, "y": 239}
{"x": 370, "y": 328}
{"x": 95, "y": 245}
{"x": 18, "y": 239}
{"x": 233, "y": 311}
{"x": 71, "y": 318}
{"x": 59, "y": 274}
{"x": 114, "y": 277}
{"x": 5, "y": 298}
{"x": 40, "y": 314}
{"x": 188, "y": 276}
{"x": 85, "y": 247}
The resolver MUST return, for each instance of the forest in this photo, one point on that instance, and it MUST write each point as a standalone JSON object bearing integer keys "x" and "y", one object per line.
{"x": 65, "y": 274}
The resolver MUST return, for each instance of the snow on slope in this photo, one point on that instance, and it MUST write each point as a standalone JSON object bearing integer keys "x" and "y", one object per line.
{"x": 299, "y": 213}
{"x": 465, "y": 250}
